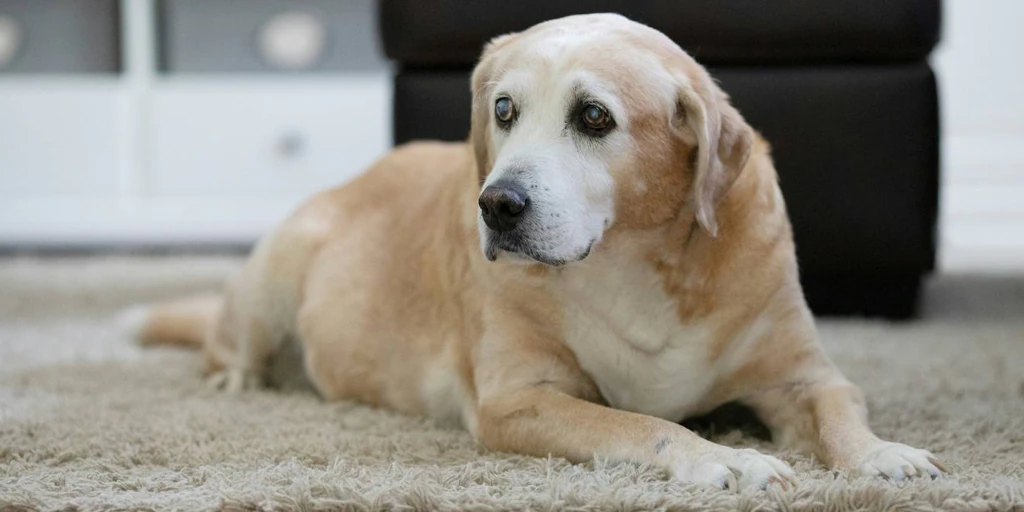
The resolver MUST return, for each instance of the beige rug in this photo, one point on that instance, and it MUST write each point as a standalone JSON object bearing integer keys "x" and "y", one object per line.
{"x": 88, "y": 421}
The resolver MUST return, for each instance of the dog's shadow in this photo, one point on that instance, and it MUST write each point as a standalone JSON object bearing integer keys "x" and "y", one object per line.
{"x": 728, "y": 418}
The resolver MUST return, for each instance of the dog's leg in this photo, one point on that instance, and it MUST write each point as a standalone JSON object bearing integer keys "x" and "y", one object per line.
{"x": 816, "y": 409}
{"x": 240, "y": 345}
{"x": 258, "y": 315}
{"x": 543, "y": 420}
{"x": 531, "y": 401}
{"x": 251, "y": 327}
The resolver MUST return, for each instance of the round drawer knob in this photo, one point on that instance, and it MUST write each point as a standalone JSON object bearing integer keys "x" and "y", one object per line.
{"x": 291, "y": 145}
{"x": 10, "y": 40}
{"x": 293, "y": 40}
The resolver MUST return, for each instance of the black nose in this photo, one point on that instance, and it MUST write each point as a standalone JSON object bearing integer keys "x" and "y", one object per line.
{"x": 502, "y": 206}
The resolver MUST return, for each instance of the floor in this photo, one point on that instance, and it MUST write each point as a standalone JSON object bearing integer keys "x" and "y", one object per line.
{"x": 88, "y": 420}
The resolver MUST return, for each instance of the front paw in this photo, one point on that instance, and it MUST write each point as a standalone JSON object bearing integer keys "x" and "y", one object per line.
{"x": 897, "y": 461}
{"x": 233, "y": 380}
{"x": 737, "y": 469}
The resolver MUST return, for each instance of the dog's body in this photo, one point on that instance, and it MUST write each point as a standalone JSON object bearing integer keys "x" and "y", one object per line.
{"x": 642, "y": 271}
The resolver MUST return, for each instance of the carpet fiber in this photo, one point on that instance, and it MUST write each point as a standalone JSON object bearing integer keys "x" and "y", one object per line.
{"x": 89, "y": 421}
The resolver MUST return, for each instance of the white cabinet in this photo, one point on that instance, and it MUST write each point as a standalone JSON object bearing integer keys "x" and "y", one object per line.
{"x": 265, "y": 139}
{"x": 186, "y": 151}
{"x": 60, "y": 140}
{"x": 179, "y": 161}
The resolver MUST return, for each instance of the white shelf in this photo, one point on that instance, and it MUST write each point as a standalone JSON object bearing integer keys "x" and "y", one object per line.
{"x": 146, "y": 158}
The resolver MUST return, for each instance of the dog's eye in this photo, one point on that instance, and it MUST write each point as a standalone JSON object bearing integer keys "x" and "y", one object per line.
{"x": 596, "y": 118}
{"x": 504, "y": 110}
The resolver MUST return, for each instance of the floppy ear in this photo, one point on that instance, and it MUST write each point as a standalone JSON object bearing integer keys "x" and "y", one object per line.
{"x": 724, "y": 141}
{"x": 481, "y": 85}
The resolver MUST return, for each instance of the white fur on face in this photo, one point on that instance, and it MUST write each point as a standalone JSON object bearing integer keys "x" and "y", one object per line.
{"x": 565, "y": 173}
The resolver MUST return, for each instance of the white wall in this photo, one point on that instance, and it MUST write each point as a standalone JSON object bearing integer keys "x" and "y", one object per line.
{"x": 980, "y": 64}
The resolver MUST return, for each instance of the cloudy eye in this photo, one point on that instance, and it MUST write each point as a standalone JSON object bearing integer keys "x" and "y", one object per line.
{"x": 504, "y": 111}
{"x": 596, "y": 118}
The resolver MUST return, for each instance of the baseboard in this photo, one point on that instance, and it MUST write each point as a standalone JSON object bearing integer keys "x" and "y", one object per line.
{"x": 69, "y": 223}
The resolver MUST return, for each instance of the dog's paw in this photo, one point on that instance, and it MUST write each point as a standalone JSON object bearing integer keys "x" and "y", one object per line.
{"x": 895, "y": 461}
{"x": 233, "y": 380}
{"x": 739, "y": 469}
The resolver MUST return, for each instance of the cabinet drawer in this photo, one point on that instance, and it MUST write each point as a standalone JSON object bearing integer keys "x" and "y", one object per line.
{"x": 228, "y": 36}
{"x": 266, "y": 140}
{"x": 57, "y": 140}
{"x": 59, "y": 36}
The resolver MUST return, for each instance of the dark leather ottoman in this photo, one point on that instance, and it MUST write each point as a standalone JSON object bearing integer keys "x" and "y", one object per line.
{"x": 842, "y": 90}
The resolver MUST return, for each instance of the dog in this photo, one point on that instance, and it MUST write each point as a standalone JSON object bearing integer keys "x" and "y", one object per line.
{"x": 608, "y": 254}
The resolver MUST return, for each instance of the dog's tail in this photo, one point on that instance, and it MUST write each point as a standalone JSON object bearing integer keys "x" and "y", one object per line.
{"x": 182, "y": 322}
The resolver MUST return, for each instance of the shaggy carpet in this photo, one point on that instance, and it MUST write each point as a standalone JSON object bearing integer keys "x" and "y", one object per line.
{"x": 90, "y": 422}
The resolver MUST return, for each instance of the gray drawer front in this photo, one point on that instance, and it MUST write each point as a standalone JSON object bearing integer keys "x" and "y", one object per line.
{"x": 217, "y": 36}
{"x": 64, "y": 36}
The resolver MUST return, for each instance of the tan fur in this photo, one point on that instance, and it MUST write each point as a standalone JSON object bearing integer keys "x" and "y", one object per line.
{"x": 182, "y": 322}
{"x": 383, "y": 283}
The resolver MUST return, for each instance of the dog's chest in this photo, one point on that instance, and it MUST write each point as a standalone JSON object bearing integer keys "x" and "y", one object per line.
{"x": 626, "y": 334}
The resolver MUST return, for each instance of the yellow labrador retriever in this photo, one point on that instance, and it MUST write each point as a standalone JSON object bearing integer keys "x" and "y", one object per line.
{"x": 608, "y": 255}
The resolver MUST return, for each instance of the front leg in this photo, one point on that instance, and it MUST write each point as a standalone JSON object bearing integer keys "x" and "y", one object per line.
{"x": 543, "y": 421}
{"x": 820, "y": 411}
{"x": 531, "y": 400}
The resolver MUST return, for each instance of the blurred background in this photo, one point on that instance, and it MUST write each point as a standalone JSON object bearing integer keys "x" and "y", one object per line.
{"x": 166, "y": 125}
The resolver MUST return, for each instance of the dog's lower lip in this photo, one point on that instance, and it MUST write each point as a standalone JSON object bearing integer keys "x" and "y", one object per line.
{"x": 586, "y": 253}
{"x": 495, "y": 246}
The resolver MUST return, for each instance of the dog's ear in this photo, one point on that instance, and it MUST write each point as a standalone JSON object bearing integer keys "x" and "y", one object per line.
{"x": 481, "y": 86}
{"x": 724, "y": 140}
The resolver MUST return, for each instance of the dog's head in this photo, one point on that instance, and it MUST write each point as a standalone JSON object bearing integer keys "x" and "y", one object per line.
{"x": 591, "y": 123}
